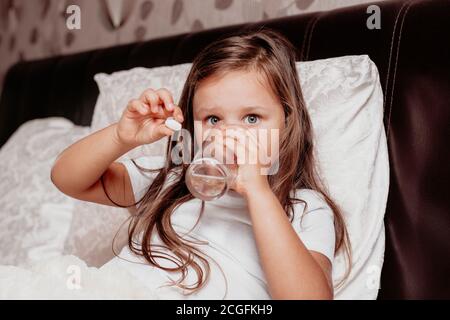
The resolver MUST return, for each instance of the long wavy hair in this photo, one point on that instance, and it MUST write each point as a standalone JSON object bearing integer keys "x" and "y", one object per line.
{"x": 269, "y": 53}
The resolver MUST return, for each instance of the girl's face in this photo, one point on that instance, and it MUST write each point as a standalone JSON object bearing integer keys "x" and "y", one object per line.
{"x": 238, "y": 98}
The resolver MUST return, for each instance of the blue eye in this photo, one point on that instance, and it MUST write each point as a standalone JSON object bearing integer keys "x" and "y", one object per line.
{"x": 252, "y": 118}
{"x": 212, "y": 118}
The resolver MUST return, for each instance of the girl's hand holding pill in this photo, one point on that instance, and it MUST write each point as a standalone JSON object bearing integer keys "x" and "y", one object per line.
{"x": 149, "y": 118}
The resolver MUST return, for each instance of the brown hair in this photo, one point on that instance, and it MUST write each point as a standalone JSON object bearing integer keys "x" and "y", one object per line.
{"x": 269, "y": 53}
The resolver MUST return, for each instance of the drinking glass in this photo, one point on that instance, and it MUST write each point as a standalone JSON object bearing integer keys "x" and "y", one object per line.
{"x": 207, "y": 177}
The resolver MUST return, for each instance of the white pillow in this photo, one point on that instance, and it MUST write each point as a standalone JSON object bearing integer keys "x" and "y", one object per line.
{"x": 35, "y": 215}
{"x": 345, "y": 101}
{"x": 92, "y": 231}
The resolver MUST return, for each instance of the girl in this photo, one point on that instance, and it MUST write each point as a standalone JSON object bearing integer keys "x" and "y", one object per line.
{"x": 270, "y": 236}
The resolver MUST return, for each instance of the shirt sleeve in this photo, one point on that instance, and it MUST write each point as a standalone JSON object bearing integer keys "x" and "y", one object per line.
{"x": 315, "y": 225}
{"x": 141, "y": 180}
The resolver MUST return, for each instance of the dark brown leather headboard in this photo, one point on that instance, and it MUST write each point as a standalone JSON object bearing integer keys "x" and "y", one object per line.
{"x": 412, "y": 52}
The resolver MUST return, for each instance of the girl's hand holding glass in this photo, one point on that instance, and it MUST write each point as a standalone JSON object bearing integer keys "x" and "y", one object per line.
{"x": 228, "y": 159}
{"x": 248, "y": 152}
{"x": 142, "y": 122}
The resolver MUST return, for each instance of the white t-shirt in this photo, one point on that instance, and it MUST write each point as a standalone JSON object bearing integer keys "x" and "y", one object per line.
{"x": 227, "y": 231}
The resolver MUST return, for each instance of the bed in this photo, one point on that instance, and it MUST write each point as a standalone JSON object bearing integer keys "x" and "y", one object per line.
{"x": 412, "y": 53}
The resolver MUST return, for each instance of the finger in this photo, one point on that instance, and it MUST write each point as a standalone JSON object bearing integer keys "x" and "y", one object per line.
{"x": 247, "y": 135}
{"x": 256, "y": 142}
{"x": 264, "y": 138}
{"x": 263, "y": 150}
{"x": 235, "y": 151}
{"x": 247, "y": 148}
{"x": 167, "y": 99}
{"x": 255, "y": 148}
{"x": 225, "y": 150}
{"x": 137, "y": 106}
{"x": 243, "y": 137}
{"x": 163, "y": 130}
{"x": 228, "y": 148}
{"x": 178, "y": 114}
{"x": 151, "y": 98}
{"x": 156, "y": 104}
{"x": 214, "y": 148}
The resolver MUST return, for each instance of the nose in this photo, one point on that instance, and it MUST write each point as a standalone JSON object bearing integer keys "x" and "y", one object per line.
{"x": 222, "y": 129}
{"x": 230, "y": 125}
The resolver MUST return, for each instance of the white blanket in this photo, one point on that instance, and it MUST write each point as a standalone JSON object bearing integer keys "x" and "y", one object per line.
{"x": 68, "y": 277}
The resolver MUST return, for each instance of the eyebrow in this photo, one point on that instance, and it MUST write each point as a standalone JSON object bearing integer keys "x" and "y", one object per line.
{"x": 243, "y": 108}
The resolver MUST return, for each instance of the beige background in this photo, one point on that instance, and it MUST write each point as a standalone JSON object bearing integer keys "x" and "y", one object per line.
{"x": 31, "y": 29}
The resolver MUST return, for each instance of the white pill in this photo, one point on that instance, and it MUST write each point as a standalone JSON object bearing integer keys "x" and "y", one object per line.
{"x": 173, "y": 124}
